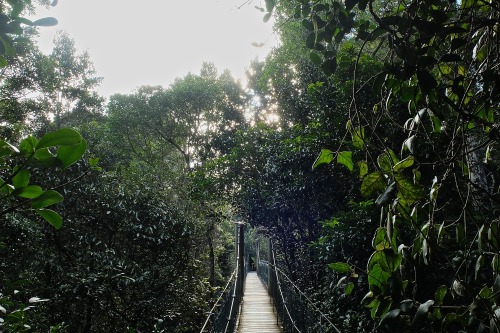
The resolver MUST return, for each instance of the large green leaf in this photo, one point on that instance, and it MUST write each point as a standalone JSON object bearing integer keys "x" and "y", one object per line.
{"x": 375, "y": 181}
{"x": 407, "y": 189}
{"x": 377, "y": 277}
{"x": 387, "y": 259}
{"x": 21, "y": 179}
{"x": 387, "y": 160}
{"x": 27, "y": 146}
{"x": 50, "y": 216}
{"x": 340, "y": 267}
{"x": 29, "y": 192}
{"x": 358, "y": 138}
{"x": 62, "y": 137}
{"x": 345, "y": 158}
{"x": 326, "y": 156}
{"x": 380, "y": 240}
{"x": 404, "y": 164}
{"x": 47, "y": 198}
{"x": 71, "y": 154}
{"x": 315, "y": 58}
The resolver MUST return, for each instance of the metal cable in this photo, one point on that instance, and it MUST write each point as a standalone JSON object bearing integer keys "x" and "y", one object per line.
{"x": 309, "y": 301}
{"x": 282, "y": 297}
{"x": 217, "y": 302}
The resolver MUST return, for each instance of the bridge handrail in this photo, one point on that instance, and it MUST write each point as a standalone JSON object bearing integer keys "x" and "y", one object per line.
{"x": 282, "y": 297}
{"x": 301, "y": 293}
{"x": 228, "y": 322}
{"x": 212, "y": 310}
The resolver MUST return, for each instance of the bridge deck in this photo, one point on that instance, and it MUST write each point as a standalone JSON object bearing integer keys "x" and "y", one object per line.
{"x": 257, "y": 313}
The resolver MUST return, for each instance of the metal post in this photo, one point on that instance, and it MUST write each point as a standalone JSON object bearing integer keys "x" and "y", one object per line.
{"x": 270, "y": 280}
{"x": 257, "y": 256}
{"x": 241, "y": 259}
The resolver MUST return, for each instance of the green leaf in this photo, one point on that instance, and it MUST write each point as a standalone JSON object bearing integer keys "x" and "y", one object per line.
{"x": 45, "y": 22}
{"x": 387, "y": 259}
{"x": 29, "y": 192}
{"x": 387, "y": 160}
{"x": 93, "y": 161}
{"x": 315, "y": 58}
{"x": 460, "y": 234}
{"x": 348, "y": 288}
{"x": 17, "y": 8}
{"x": 27, "y": 146}
{"x": 373, "y": 182}
{"x": 445, "y": 69}
{"x": 62, "y": 137}
{"x": 377, "y": 277}
{"x": 358, "y": 138}
{"x": 407, "y": 189}
{"x": 404, "y": 164}
{"x": 326, "y": 156}
{"x": 329, "y": 66}
{"x": 495, "y": 264}
{"x": 71, "y": 154}
{"x": 340, "y": 267}
{"x": 440, "y": 294}
{"x": 345, "y": 158}
{"x": 47, "y": 198}
{"x": 21, "y": 179}
{"x": 380, "y": 241}
{"x": 49, "y": 162}
{"x": 3, "y": 62}
{"x": 485, "y": 293}
{"x": 43, "y": 154}
{"x": 52, "y": 217}
{"x": 363, "y": 168}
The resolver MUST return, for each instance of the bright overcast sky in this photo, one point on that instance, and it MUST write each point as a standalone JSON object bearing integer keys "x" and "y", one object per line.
{"x": 151, "y": 42}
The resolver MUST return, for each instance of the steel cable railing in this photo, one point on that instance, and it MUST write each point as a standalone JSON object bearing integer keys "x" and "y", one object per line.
{"x": 296, "y": 311}
{"x": 217, "y": 302}
{"x": 226, "y": 319}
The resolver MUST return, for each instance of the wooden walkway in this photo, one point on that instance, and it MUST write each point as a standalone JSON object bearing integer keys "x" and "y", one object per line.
{"x": 257, "y": 313}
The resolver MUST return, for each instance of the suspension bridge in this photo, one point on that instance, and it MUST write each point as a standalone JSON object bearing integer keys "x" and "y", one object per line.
{"x": 262, "y": 298}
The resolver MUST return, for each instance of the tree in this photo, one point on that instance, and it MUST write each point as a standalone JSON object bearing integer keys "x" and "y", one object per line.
{"x": 193, "y": 117}
{"x": 431, "y": 173}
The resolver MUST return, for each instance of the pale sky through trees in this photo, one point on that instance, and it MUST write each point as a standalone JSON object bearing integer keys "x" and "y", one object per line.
{"x": 151, "y": 42}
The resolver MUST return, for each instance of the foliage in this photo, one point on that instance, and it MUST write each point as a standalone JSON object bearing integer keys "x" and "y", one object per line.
{"x": 424, "y": 151}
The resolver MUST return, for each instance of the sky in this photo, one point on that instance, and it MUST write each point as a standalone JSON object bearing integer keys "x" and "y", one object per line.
{"x": 152, "y": 42}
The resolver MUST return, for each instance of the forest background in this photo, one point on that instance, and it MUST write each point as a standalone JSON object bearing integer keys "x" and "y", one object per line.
{"x": 365, "y": 144}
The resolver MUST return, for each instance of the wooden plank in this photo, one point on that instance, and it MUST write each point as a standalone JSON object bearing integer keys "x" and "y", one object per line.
{"x": 257, "y": 313}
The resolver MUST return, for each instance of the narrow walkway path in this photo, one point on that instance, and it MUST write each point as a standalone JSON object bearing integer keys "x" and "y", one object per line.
{"x": 257, "y": 313}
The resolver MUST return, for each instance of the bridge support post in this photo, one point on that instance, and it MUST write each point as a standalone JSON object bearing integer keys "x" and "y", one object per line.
{"x": 270, "y": 268}
{"x": 257, "y": 256}
{"x": 241, "y": 257}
